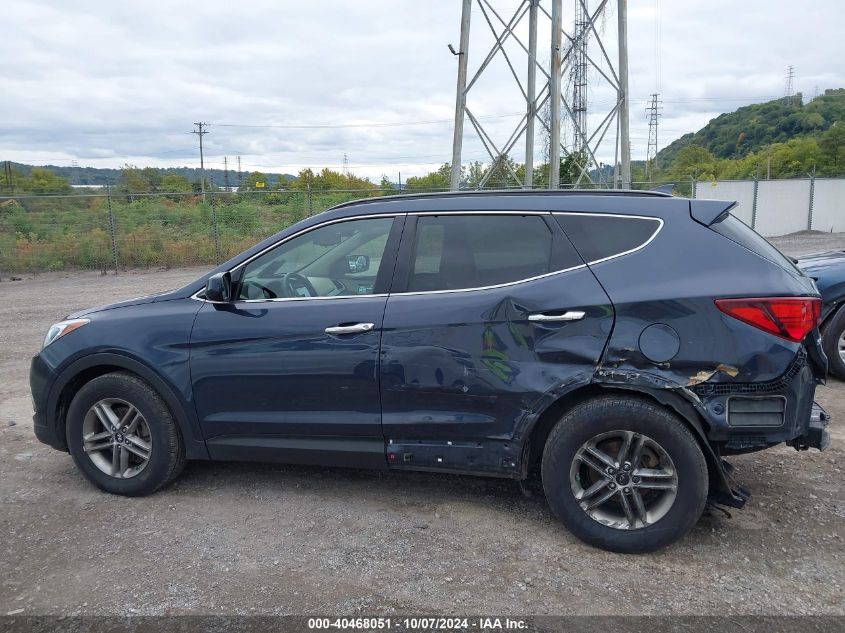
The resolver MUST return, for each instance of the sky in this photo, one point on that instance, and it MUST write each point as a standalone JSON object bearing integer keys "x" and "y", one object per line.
{"x": 288, "y": 85}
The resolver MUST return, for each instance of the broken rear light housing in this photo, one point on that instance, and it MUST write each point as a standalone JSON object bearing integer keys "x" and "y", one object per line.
{"x": 791, "y": 318}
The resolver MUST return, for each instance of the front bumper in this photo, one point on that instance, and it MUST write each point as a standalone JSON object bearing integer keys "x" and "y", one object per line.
{"x": 41, "y": 379}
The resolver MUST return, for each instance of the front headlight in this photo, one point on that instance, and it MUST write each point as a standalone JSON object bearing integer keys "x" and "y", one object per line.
{"x": 61, "y": 328}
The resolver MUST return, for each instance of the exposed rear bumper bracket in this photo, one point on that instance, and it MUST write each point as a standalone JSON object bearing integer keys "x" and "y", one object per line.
{"x": 817, "y": 435}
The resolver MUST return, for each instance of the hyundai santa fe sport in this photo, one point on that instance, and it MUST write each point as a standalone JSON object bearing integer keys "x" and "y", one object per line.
{"x": 614, "y": 346}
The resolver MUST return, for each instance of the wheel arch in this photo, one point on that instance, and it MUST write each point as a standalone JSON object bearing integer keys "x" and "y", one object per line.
{"x": 82, "y": 371}
{"x": 546, "y": 420}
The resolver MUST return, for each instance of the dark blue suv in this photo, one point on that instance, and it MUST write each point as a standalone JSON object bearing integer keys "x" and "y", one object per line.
{"x": 613, "y": 345}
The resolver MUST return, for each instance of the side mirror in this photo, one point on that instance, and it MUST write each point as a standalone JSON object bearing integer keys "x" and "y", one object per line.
{"x": 219, "y": 288}
{"x": 357, "y": 263}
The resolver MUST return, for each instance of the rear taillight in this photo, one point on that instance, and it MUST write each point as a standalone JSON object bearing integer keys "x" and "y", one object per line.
{"x": 791, "y": 318}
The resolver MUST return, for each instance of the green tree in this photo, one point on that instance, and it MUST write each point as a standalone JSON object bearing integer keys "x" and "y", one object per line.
{"x": 174, "y": 185}
{"x": 44, "y": 181}
{"x": 438, "y": 180}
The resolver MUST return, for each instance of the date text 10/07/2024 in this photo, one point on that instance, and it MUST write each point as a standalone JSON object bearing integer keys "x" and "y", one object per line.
{"x": 419, "y": 624}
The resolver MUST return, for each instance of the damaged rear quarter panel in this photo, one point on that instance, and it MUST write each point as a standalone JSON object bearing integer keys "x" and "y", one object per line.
{"x": 674, "y": 281}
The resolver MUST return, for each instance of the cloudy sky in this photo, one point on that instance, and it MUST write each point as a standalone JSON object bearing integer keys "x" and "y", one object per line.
{"x": 287, "y": 85}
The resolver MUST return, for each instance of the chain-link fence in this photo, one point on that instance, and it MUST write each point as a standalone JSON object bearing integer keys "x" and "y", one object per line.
{"x": 102, "y": 229}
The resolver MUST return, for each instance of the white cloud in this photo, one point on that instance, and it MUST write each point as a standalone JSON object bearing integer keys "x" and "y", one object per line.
{"x": 108, "y": 83}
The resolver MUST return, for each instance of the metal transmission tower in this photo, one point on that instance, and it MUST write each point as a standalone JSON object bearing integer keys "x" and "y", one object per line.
{"x": 790, "y": 77}
{"x": 567, "y": 51}
{"x": 578, "y": 75}
{"x": 653, "y": 110}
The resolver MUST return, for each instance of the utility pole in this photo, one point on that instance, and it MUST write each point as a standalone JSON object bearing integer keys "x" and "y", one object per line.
{"x": 460, "y": 95}
{"x": 400, "y": 182}
{"x": 790, "y": 77}
{"x": 240, "y": 175}
{"x": 200, "y": 131}
{"x": 622, "y": 98}
{"x": 7, "y": 168}
{"x": 345, "y": 164}
{"x": 554, "y": 92}
{"x": 653, "y": 110}
{"x": 531, "y": 95}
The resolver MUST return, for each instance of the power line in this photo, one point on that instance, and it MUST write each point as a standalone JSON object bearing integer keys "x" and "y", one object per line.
{"x": 334, "y": 126}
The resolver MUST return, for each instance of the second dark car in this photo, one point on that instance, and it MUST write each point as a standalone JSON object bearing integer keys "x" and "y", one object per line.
{"x": 828, "y": 271}
{"x": 615, "y": 346}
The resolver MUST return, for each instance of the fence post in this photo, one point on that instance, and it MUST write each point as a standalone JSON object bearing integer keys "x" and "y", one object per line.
{"x": 310, "y": 202}
{"x": 812, "y": 196}
{"x": 214, "y": 228}
{"x": 754, "y": 202}
{"x": 112, "y": 230}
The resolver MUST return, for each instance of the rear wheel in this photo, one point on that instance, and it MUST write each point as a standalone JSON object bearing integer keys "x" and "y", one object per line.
{"x": 122, "y": 436}
{"x": 624, "y": 474}
{"x": 833, "y": 342}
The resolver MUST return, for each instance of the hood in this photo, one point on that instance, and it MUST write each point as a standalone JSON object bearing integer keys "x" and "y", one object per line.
{"x": 821, "y": 261}
{"x": 828, "y": 271}
{"x": 111, "y": 306}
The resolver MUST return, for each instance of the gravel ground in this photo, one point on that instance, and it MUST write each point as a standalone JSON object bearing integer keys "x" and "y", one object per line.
{"x": 248, "y": 538}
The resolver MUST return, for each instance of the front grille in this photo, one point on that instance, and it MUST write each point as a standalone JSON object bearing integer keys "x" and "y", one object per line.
{"x": 772, "y": 386}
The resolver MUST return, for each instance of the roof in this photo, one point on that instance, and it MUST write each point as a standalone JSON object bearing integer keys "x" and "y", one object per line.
{"x": 497, "y": 193}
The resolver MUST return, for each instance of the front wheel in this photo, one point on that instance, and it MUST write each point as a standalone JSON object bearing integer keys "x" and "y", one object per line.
{"x": 624, "y": 474}
{"x": 122, "y": 436}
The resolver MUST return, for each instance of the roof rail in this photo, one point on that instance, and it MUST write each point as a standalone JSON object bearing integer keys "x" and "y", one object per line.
{"x": 509, "y": 192}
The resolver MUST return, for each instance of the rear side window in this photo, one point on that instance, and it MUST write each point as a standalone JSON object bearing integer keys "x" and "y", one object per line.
{"x": 598, "y": 237}
{"x": 737, "y": 231}
{"x": 471, "y": 251}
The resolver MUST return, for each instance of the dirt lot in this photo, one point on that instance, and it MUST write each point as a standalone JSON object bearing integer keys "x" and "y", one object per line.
{"x": 246, "y": 538}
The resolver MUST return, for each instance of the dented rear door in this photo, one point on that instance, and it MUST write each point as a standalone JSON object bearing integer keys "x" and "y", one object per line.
{"x": 463, "y": 369}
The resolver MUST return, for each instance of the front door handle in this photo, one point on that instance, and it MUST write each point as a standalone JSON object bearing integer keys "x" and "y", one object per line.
{"x": 571, "y": 315}
{"x": 355, "y": 328}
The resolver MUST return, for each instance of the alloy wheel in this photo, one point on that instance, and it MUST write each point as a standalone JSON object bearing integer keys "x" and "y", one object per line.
{"x": 624, "y": 480}
{"x": 841, "y": 346}
{"x": 116, "y": 437}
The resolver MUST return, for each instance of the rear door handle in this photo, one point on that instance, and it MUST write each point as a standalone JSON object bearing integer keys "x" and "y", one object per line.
{"x": 571, "y": 315}
{"x": 355, "y": 328}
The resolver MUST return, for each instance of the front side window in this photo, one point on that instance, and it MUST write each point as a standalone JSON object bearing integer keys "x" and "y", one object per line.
{"x": 339, "y": 259}
{"x": 454, "y": 252}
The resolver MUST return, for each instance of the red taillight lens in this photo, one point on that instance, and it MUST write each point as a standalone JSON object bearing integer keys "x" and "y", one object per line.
{"x": 791, "y": 318}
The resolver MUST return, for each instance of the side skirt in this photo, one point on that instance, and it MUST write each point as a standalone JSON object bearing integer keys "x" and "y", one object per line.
{"x": 347, "y": 452}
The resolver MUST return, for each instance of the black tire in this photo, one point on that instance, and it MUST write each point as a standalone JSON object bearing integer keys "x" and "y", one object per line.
{"x": 831, "y": 333}
{"x": 623, "y": 413}
{"x": 167, "y": 456}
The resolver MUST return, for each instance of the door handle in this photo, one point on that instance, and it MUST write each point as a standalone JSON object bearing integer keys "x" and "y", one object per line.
{"x": 355, "y": 328}
{"x": 571, "y": 315}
